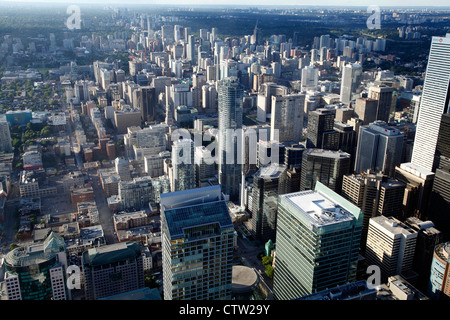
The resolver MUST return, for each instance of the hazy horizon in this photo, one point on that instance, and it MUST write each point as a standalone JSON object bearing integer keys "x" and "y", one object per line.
{"x": 401, "y": 4}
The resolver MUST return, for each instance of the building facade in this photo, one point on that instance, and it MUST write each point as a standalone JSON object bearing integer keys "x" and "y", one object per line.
{"x": 197, "y": 245}
{"x": 112, "y": 269}
{"x": 318, "y": 234}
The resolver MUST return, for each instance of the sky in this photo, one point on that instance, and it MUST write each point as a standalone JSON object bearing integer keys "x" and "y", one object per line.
{"x": 334, "y": 3}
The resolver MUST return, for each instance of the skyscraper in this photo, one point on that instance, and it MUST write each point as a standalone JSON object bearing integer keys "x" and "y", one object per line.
{"x": 440, "y": 196}
{"x": 310, "y": 78}
{"x": 264, "y": 99}
{"x": 366, "y": 110}
{"x": 230, "y": 93}
{"x": 375, "y": 194}
{"x": 378, "y": 148}
{"x": 321, "y": 133}
{"x": 197, "y": 237}
{"x": 147, "y": 101}
{"x": 434, "y": 102}
{"x": 266, "y": 188}
{"x": 325, "y": 166}
{"x": 443, "y": 141}
{"x": 384, "y": 95}
{"x": 325, "y": 230}
{"x": 287, "y": 117}
{"x": 183, "y": 165}
{"x": 190, "y": 50}
{"x": 351, "y": 79}
{"x": 418, "y": 186}
{"x": 293, "y": 162}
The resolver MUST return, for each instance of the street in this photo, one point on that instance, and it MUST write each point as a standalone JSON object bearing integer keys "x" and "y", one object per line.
{"x": 248, "y": 252}
{"x": 105, "y": 215}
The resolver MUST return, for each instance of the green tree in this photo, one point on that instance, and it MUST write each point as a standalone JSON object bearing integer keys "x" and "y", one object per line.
{"x": 46, "y": 132}
{"x": 12, "y": 246}
{"x": 269, "y": 271}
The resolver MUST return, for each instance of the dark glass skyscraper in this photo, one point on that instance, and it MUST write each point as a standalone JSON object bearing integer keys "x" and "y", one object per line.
{"x": 325, "y": 166}
{"x": 321, "y": 133}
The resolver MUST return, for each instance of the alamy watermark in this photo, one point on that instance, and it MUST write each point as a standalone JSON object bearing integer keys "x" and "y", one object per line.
{"x": 74, "y": 277}
{"x": 374, "y": 21}
{"x": 231, "y": 146}
{"x": 74, "y": 20}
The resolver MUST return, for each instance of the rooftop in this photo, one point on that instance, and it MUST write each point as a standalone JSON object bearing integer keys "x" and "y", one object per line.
{"x": 273, "y": 170}
{"x": 243, "y": 279}
{"x": 327, "y": 153}
{"x": 393, "y": 227}
{"x": 179, "y": 219}
{"x": 318, "y": 208}
{"x": 110, "y": 253}
{"x": 416, "y": 170}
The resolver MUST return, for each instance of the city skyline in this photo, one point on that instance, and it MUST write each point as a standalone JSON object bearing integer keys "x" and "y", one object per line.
{"x": 249, "y": 152}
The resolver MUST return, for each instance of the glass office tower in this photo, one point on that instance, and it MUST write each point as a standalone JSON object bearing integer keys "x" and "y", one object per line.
{"x": 318, "y": 234}
{"x": 197, "y": 237}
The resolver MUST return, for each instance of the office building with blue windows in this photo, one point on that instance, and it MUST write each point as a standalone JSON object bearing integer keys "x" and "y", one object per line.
{"x": 197, "y": 236}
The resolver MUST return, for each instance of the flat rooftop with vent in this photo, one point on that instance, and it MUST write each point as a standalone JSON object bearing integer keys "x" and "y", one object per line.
{"x": 320, "y": 207}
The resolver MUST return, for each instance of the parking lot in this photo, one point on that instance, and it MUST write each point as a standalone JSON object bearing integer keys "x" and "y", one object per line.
{"x": 56, "y": 204}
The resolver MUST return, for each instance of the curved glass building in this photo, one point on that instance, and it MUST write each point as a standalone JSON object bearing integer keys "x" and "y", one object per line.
{"x": 37, "y": 272}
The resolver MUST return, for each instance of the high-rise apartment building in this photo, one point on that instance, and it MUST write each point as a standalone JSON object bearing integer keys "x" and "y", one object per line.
{"x": 183, "y": 165}
{"x": 135, "y": 194}
{"x": 310, "y": 77}
{"x": 287, "y": 117}
{"x": 112, "y": 269}
{"x": 197, "y": 237}
{"x": 264, "y": 99}
{"x": 434, "y": 103}
{"x": 351, "y": 79}
{"x": 318, "y": 235}
{"x": 390, "y": 245}
{"x": 230, "y": 119}
{"x": 325, "y": 166}
{"x": 378, "y": 148}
